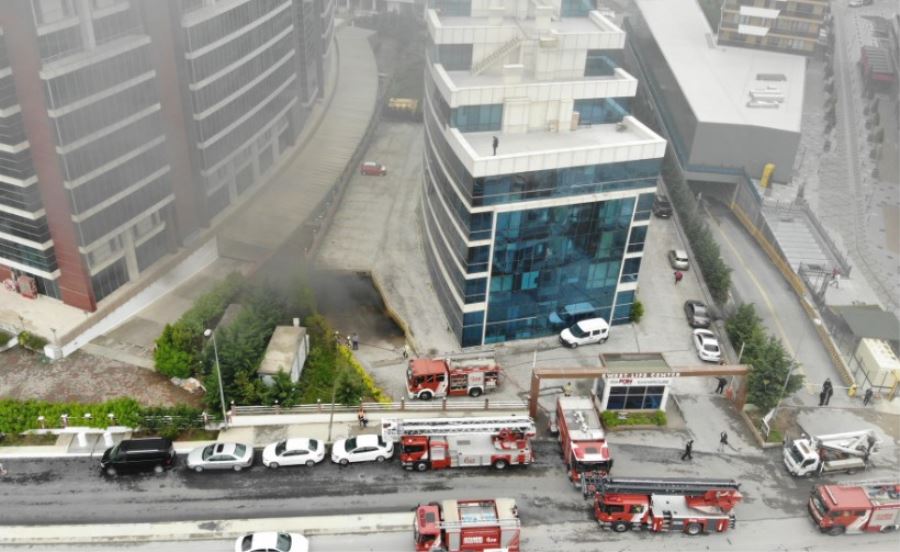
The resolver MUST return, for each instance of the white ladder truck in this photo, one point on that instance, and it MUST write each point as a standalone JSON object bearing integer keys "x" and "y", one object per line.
{"x": 438, "y": 443}
{"x": 839, "y": 452}
{"x": 689, "y": 505}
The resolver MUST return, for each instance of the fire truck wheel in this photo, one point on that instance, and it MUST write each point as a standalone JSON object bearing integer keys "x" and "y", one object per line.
{"x": 425, "y": 395}
{"x": 619, "y": 527}
{"x": 693, "y": 528}
{"x": 500, "y": 464}
{"x": 421, "y": 466}
{"x": 475, "y": 392}
{"x": 836, "y": 530}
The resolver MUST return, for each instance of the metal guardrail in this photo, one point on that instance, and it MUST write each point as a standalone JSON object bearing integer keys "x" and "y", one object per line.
{"x": 403, "y": 406}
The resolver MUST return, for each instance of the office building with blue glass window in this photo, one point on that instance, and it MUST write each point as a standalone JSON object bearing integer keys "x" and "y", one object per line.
{"x": 538, "y": 180}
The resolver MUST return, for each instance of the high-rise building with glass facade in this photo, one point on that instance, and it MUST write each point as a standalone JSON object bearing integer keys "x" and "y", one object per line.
{"x": 538, "y": 181}
{"x": 129, "y": 124}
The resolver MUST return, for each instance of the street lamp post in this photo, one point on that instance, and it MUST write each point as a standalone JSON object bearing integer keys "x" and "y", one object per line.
{"x": 209, "y": 333}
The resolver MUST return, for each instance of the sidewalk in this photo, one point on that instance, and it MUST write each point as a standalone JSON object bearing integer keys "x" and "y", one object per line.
{"x": 204, "y": 530}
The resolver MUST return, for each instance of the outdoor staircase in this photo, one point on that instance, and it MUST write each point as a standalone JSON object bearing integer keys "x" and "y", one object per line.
{"x": 496, "y": 55}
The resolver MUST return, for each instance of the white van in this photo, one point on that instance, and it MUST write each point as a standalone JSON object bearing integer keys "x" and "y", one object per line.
{"x": 585, "y": 332}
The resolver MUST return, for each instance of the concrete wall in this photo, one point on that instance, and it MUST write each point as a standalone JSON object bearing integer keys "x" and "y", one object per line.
{"x": 745, "y": 146}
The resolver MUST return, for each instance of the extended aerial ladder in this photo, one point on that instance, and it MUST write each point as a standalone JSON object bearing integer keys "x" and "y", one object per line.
{"x": 394, "y": 429}
{"x": 662, "y": 486}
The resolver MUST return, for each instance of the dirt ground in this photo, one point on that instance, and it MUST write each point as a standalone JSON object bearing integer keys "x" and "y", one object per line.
{"x": 84, "y": 378}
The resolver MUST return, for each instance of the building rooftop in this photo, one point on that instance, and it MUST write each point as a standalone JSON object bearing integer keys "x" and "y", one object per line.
{"x": 282, "y": 350}
{"x": 537, "y": 150}
{"x": 726, "y": 84}
{"x": 635, "y": 363}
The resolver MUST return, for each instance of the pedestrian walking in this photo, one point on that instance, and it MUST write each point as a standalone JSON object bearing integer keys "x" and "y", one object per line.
{"x": 867, "y": 398}
{"x": 827, "y": 386}
{"x": 822, "y": 398}
{"x": 678, "y": 276}
{"x": 723, "y": 441}
{"x": 361, "y": 416}
{"x": 405, "y": 351}
{"x": 567, "y": 389}
{"x": 495, "y": 143}
{"x": 355, "y": 340}
{"x": 722, "y": 383}
{"x": 687, "y": 451}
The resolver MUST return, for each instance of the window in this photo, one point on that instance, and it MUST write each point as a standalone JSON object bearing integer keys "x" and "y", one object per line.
{"x": 477, "y": 118}
{"x": 576, "y": 8}
{"x": 455, "y": 57}
{"x": 630, "y": 269}
{"x": 635, "y": 397}
{"x": 602, "y": 63}
{"x": 51, "y": 11}
{"x": 636, "y": 240}
{"x": 597, "y": 111}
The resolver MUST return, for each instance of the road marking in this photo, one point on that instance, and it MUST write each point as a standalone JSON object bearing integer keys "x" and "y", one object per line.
{"x": 765, "y": 296}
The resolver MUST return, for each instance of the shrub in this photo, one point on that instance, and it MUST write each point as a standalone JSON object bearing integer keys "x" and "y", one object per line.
{"x": 18, "y": 416}
{"x": 32, "y": 341}
{"x": 5, "y": 337}
{"x": 611, "y": 418}
{"x": 637, "y": 311}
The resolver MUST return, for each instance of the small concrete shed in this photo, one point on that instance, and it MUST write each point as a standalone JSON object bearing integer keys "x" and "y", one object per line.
{"x": 287, "y": 352}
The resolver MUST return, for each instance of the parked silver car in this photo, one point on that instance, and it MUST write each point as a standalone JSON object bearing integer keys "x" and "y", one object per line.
{"x": 678, "y": 258}
{"x": 220, "y": 456}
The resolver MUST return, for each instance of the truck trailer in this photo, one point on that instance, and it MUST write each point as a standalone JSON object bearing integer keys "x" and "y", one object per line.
{"x": 428, "y": 378}
{"x": 821, "y": 454}
{"x": 467, "y": 526}
{"x": 582, "y": 438}
{"x": 692, "y": 506}
{"x": 438, "y": 443}
{"x": 864, "y": 507}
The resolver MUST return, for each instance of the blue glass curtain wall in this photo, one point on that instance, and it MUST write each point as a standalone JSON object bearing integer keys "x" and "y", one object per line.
{"x": 454, "y": 57}
{"x": 547, "y": 258}
{"x": 602, "y": 63}
{"x": 449, "y": 8}
{"x": 576, "y": 8}
{"x": 477, "y": 118}
{"x": 599, "y": 111}
{"x": 624, "y": 304}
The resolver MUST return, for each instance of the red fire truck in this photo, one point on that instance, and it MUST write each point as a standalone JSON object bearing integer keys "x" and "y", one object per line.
{"x": 867, "y": 506}
{"x": 428, "y": 378}
{"x": 467, "y": 526}
{"x": 692, "y": 506}
{"x": 582, "y": 437}
{"x": 439, "y": 443}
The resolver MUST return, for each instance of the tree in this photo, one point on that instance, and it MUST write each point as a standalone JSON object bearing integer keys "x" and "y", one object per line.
{"x": 637, "y": 311}
{"x": 349, "y": 389}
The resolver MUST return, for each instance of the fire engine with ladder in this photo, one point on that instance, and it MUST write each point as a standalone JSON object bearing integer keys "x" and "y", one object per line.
{"x": 692, "y": 506}
{"x": 582, "y": 437}
{"x": 428, "y": 378}
{"x": 467, "y": 526}
{"x": 863, "y": 507}
{"x": 439, "y": 443}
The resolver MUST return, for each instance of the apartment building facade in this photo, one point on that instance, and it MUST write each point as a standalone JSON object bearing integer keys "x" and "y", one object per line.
{"x": 130, "y": 124}
{"x": 538, "y": 182}
{"x": 788, "y": 26}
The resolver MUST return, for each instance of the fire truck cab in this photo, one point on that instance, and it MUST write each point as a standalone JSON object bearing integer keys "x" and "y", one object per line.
{"x": 428, "y": 378}
{"x": 467, "y": 526}
{"x": 438, "y": 443}
{"x": 861, "y": 508}
{"x": 692, "y": 506}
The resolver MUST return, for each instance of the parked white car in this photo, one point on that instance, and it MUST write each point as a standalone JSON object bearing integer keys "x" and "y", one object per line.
{"x": 362, "y": 448}
{"x": 271, "y": 541}
{"x": 585, "y": 332}
{"x": 707, "y": 345}
{"x": 293, "y": 452}
{"x": 220, "y": 456}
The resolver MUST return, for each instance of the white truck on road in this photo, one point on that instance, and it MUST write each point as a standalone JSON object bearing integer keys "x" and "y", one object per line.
{"x": 839, "y": 452}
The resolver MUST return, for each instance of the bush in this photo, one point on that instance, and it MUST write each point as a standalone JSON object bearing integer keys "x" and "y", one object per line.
{"x": 770, "y": 362}
{"x": 32, "y": 341}
{"x": 18, "y": 416}
{"x": 178, "y": 349}
{"x": 637, "y": 311}
{"x": 5, "y": 337}
{"x": 611, "y": 418}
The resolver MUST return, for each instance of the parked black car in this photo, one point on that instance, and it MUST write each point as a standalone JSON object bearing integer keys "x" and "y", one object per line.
{"x": 662, "y": 207}
{"x": 134, "y": 455}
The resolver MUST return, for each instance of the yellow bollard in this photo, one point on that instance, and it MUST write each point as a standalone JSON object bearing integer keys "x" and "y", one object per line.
{"x": 851, "y": 391}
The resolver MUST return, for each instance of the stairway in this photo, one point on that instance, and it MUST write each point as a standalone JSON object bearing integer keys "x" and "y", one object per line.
{"x": 496, "y": 55}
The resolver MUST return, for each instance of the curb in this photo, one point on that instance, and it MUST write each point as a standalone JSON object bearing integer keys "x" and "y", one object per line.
{"x": 205, "y": 530}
